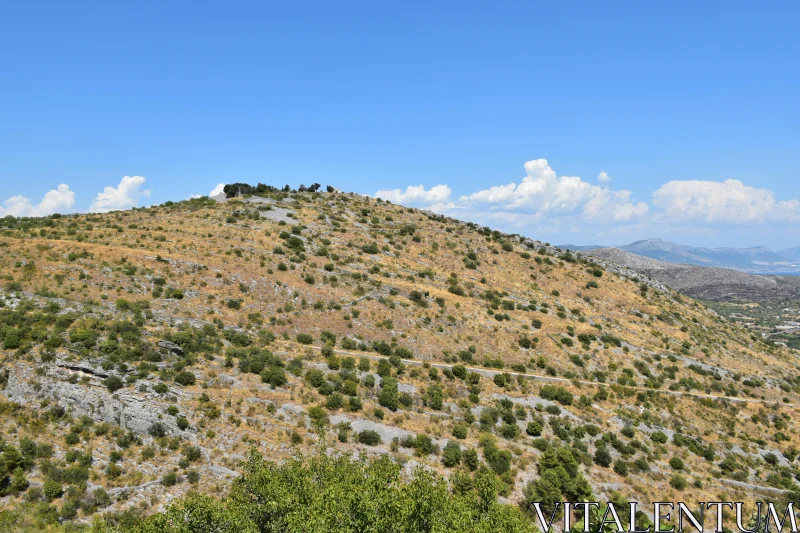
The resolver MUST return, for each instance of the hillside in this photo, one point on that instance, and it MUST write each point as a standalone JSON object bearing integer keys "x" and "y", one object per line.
{"x": 146, "y": 352}
{"x": 707, "y": 283}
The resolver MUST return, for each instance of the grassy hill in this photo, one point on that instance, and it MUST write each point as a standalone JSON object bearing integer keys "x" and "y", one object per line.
{"x": 146, "y": 352}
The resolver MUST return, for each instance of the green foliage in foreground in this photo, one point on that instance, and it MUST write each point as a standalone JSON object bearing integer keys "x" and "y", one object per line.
{"x": 328, "y": 494}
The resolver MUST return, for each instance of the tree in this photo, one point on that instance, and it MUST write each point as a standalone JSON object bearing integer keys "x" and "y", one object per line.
{"x": 18, "y": 481}
{"x": 11, "y": 460}
{"x": 559, "y": 480}
{"x": 326, "y": 493}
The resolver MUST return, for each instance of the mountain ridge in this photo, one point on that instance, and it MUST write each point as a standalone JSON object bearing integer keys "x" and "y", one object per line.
{"x": 754, "y": 260}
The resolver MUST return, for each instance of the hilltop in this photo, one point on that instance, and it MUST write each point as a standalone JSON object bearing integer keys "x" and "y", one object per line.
{"x": 146, "y": 352}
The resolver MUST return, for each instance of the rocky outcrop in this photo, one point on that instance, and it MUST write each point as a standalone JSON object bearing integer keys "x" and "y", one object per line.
{"x": 79, "y": 389}
{"x": 170, "y": 347}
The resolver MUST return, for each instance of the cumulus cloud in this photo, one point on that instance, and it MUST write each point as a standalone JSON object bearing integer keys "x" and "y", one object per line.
{"x": 543, "y": 202}
{"x": 416, "y": 194}
{"x": 542, "y": 191}
{"x": 126, "y": 195}
{"x": 729, "y": 201}
{"x": 217, "y": 190}
{"x": 54, "y": 201}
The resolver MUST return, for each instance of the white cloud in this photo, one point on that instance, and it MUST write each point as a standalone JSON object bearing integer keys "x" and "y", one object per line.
{"x": 124, "y": 196}
{"x": 416, "y": 194}
{"x": 603, "y": 177}
{"x": 217, "y": 190}
{"x": 542, "y": 191}
{"x": 729, "y": 201}
{"x": 54, "y": 201}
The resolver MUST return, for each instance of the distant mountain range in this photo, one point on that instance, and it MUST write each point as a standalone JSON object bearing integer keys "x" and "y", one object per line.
{"x": 758, "y": 259}
{"x": 707, "y": 283}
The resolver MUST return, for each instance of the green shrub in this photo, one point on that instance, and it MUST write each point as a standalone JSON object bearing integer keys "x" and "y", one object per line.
{"x": 113, "y": 383}
{"x": 678, "y": 482}
{"x": 602, "y": 457}
{"x": 534, "y": 428}
{"x": 185, "y": 378}
{"x": 368, "y": 437}
{"x": 676, "y": 463}
{"x": 659, "y": 437}
{"x": 451, "y": 454}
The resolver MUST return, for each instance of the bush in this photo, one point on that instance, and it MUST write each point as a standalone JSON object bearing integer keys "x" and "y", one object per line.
{"x": 555, "y": 393}
{"x": 113, "y": 383}
{"x": 509, "y": 431}
{"x": 460, "y": 431}
{"x": 460, "y": 371}
{"x": 659, "y": 437}
{"x": 304, "y": 338}
{"x": 371, "y": 248}
{"x": 678, "y": 482}
{"x": 534, "y": 428}
{"x": 451, "y": 455}
{"x": 52, "y": 489}
{"x": 274, "y": 375}
{"x": 676, "y": 463}
{"x": 388, "y": 396}
{"x": 12, "y": 341}
{"x": 185, "y": 378}
{"x": 157, "y": 430}
{"x": 602, "y": 457}
{"x": 170, "y": 479}
{"x": 368, "y": 437}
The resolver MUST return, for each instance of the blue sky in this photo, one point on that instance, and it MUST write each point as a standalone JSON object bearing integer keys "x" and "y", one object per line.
{"x": 669, "y": 99}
